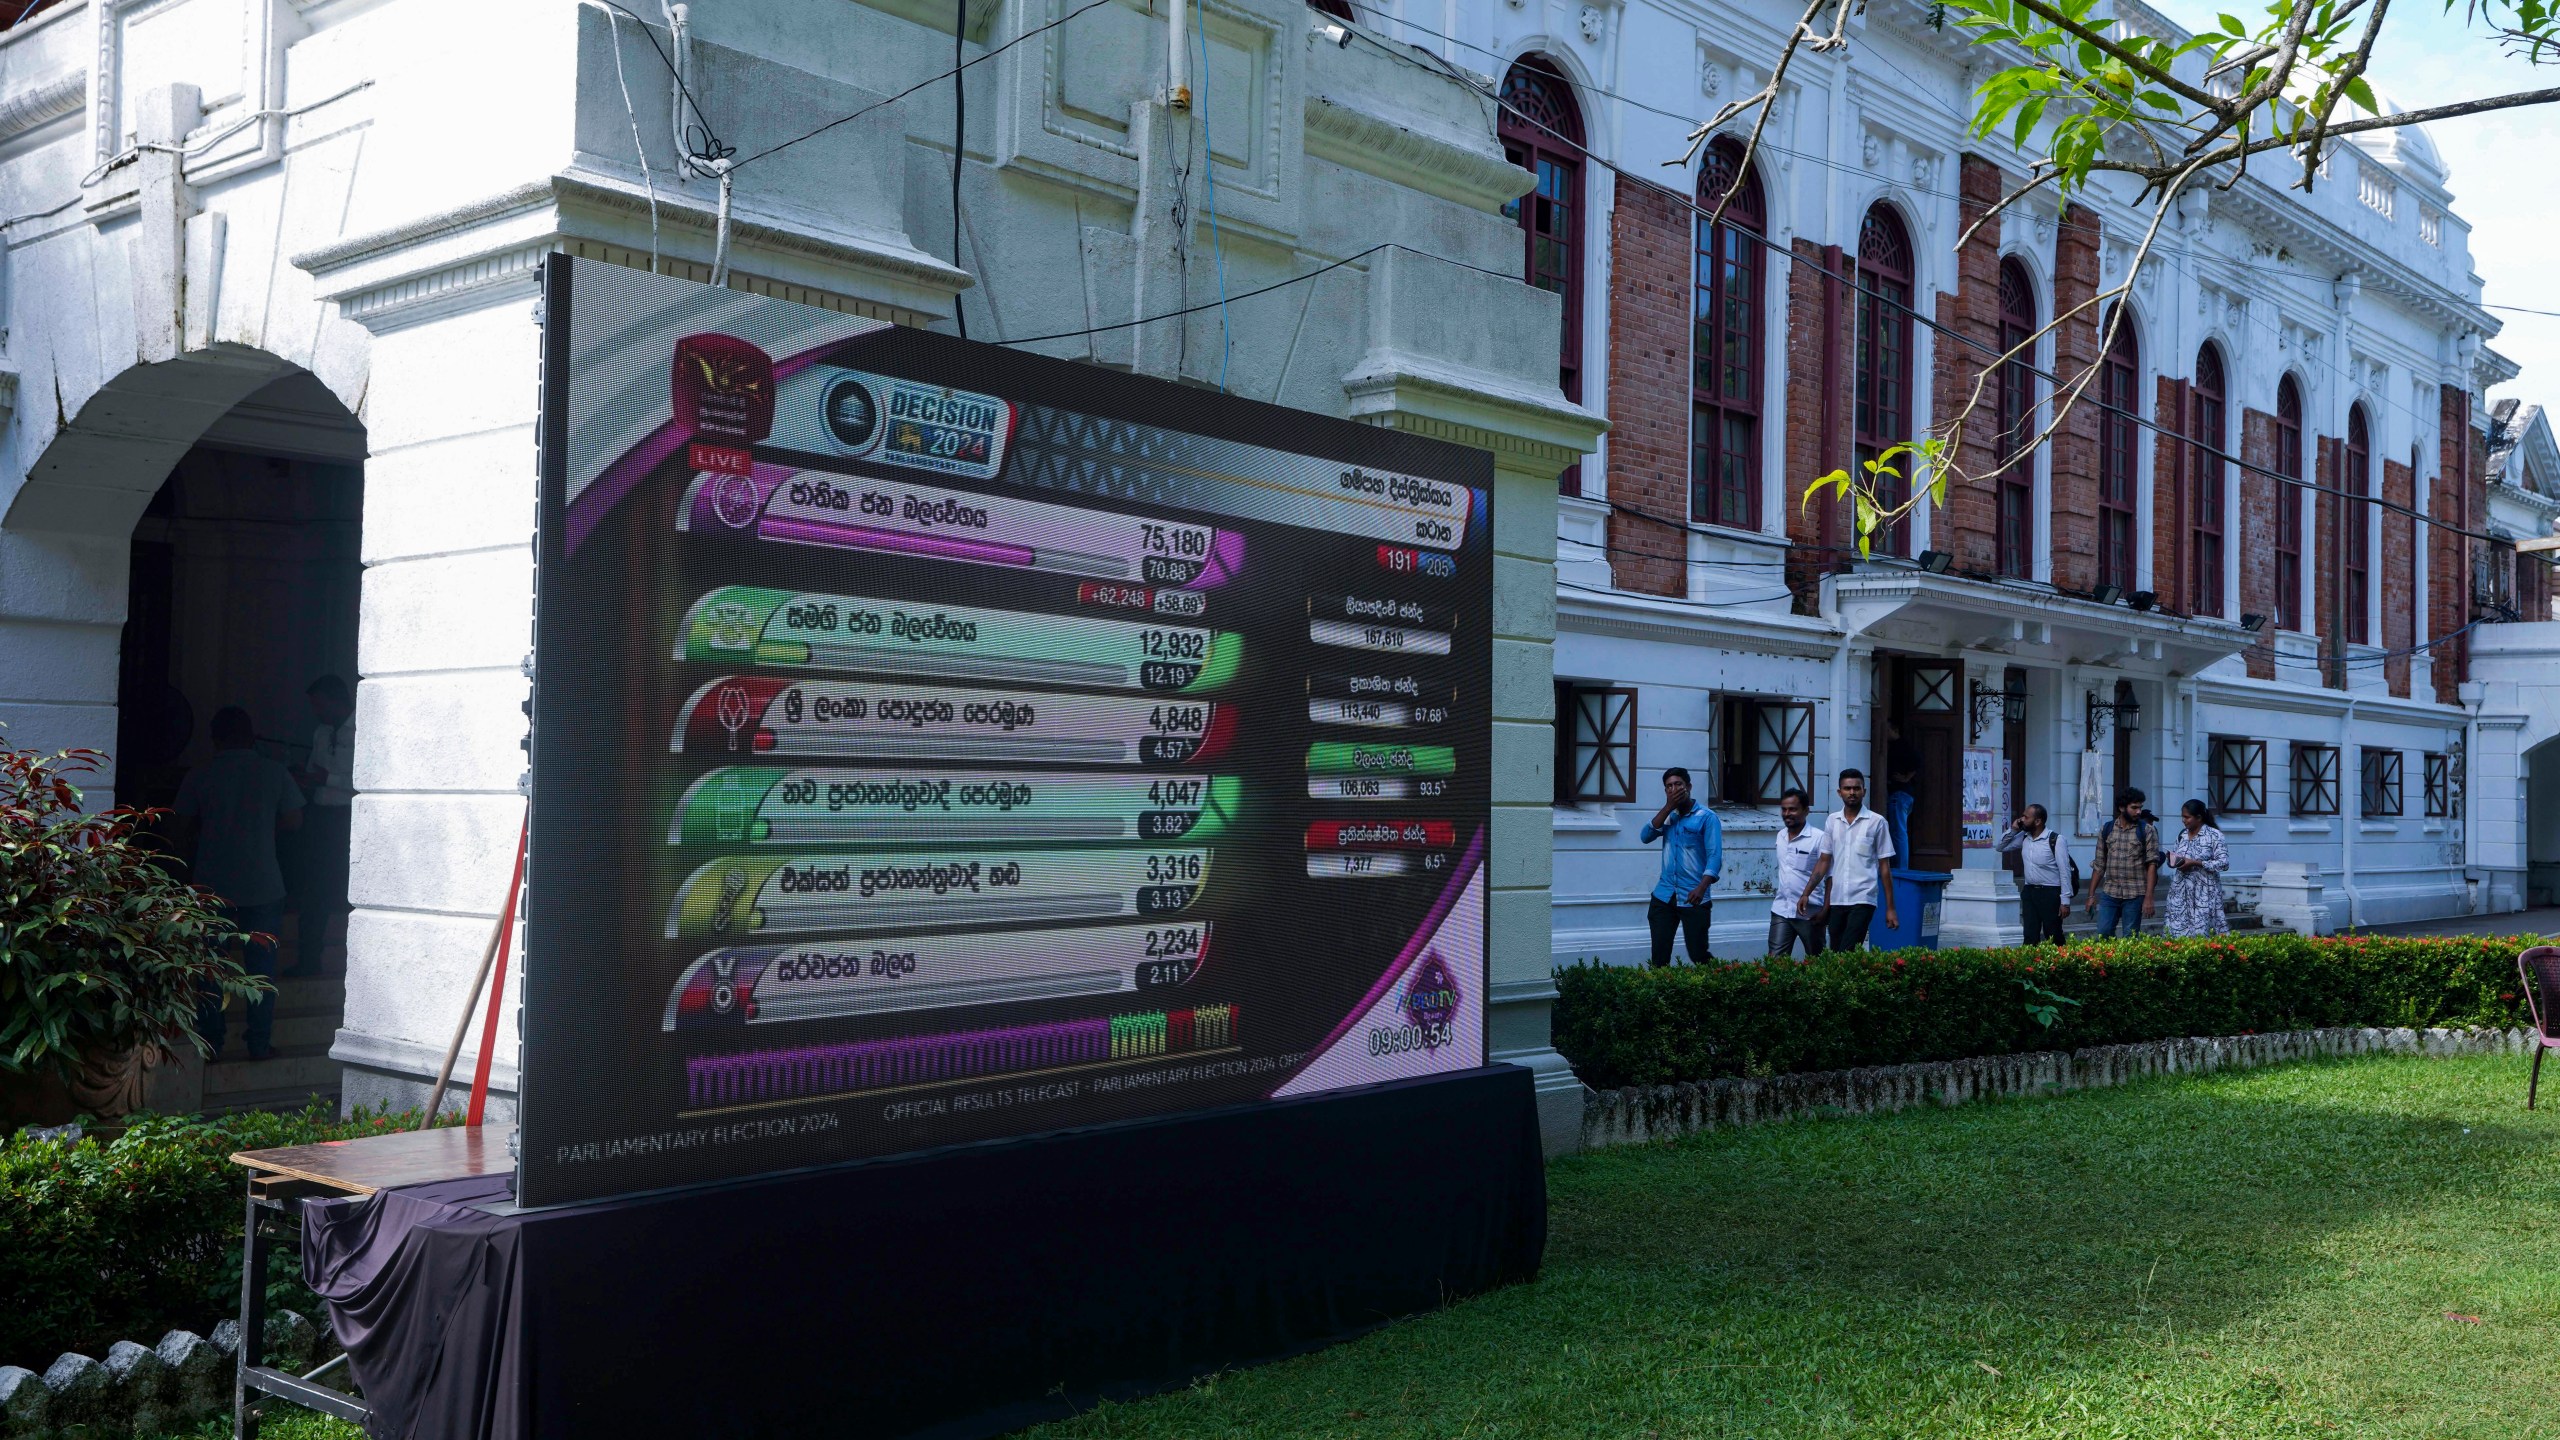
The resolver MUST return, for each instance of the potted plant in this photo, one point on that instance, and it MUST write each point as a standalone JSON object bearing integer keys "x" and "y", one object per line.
{"x": 104, "y": 955}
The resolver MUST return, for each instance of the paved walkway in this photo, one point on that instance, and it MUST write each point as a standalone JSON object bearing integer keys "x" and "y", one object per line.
{"x": 2545, "y": 921}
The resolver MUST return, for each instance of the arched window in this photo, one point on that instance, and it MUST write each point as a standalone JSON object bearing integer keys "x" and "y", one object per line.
{"x": 2119, "y": 436}
{"x": 1542, "y": 134}
{"x": 1724, "y": 385}
{"x": 2204, "y": 483}
{"x": 2017, "y": 392}
{"x": 2289, "y": 505}
{"x": 1884, "y": 358}
{"x": 2356, "y": 553}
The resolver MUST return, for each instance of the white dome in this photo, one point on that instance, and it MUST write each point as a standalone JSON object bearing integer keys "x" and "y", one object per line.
{"x": 2405, "y": 149}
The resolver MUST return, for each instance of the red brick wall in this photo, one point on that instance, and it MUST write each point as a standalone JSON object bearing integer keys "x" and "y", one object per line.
{"x": 1818, "y": 318}
{"x": 2258, "y": 537}
{"x": 2168, "y": 476}
{"x": 1969, "y": 528}
{"x": 2399, "y": 576}
{"x": 1649, "y": 259}
{"x": 2456, "y": 498}
{"x": 2075, "y": 444}
{"x": 2329, "y": 459}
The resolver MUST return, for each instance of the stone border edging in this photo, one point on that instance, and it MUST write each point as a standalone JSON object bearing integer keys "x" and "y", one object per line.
{"x": 148, "y": 1389}
{"x": 1639, "y": 1114}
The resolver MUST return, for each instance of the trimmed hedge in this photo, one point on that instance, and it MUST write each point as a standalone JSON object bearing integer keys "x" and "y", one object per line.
{"x": 1628, "y": 1025}
{"x": 138, "y": 1235}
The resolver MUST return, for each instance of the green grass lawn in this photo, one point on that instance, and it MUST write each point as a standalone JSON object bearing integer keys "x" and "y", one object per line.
{"x": 2364, "y": 1248}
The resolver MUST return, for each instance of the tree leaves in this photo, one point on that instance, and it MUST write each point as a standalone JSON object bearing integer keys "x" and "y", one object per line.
{"x": 101, "y": 950}
{"x": 1869, "y": 511}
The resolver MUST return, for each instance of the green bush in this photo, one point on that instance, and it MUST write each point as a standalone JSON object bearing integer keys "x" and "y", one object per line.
{"x": 1625, "y": 1025}
{"x": 129, "y": 1238}
{"x": 101, "y": 950}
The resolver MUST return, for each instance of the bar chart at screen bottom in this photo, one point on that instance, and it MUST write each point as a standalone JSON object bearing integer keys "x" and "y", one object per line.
{"x": 869, "y": 1066}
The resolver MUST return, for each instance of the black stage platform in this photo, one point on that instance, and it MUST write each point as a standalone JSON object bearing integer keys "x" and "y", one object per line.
{"x": 962, "y": 1293}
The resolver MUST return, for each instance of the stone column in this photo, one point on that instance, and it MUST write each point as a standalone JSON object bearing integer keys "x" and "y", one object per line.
{"x": 2290, "y": 894}
{"x": 1466, "y": 357}
{"x": 445, "y": 629}
{"x": 2495, "y": 805}
{"x": 1981, "y": 904}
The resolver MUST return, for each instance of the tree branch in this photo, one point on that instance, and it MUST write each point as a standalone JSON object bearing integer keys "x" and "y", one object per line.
{"x": 1768, "y": 96}
{"x": 2069, "y": 26}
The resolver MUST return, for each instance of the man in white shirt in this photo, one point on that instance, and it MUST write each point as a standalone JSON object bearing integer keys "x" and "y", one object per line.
{"x": 1791, "y": 918}
{"x": 2044, "y": 886}
{"x": 1857, "y": 859}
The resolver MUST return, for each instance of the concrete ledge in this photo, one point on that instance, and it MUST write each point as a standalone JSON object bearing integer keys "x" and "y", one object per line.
{"x": 1639, "y": 1114}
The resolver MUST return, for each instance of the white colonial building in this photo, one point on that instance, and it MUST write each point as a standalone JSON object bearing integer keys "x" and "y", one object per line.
{"x": 2146, "y": 603}
{"x": 267, "y": 402}
{"x": 268, "y": 344}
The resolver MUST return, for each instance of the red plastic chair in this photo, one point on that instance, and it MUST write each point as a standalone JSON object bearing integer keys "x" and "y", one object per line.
{"x": 2539, "y": 968}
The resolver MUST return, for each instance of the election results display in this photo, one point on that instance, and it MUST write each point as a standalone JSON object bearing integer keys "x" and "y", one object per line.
{"x": 933, "y": 743}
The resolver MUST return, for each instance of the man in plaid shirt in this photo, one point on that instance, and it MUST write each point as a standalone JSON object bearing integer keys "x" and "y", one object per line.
{"x": 2128, "y": 866}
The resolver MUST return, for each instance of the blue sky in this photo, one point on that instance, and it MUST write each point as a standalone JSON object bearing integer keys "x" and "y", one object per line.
{"x": 2502, "y": 165}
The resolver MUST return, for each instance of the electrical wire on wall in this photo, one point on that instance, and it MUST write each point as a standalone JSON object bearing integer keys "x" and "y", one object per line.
{"x": 648, "y": 182}
{"x": 1209, "y": 162}
{"x": 1931, "y": 323}
{"x": 930, "y": 80}
{"x": 1416, "y": 56}
{"x": 959, "y": 144}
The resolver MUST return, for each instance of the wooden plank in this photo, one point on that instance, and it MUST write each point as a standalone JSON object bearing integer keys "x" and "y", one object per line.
{"x": 266, "y": 1186}
{"x": 379, "y": 1162}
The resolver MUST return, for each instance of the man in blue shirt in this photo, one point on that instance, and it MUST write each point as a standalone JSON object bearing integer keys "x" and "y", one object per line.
{"x": 1692, "y": 857}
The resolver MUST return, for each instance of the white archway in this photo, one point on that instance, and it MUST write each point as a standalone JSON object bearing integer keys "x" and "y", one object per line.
{"x": 66, "y": 534}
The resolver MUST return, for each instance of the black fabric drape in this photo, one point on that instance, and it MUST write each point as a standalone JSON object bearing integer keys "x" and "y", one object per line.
{"x": 958, "y": 1294}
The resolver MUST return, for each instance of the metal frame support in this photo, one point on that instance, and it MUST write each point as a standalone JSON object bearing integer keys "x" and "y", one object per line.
{"x": 253, "y": 1377}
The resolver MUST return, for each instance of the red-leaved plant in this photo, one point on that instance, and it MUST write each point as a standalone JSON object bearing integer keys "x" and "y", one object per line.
{"x": 102, "y": 952}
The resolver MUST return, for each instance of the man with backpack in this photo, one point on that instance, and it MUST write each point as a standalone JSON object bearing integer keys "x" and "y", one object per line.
{"x": 2047, "y": 875}
{"x": 2128, "y": 867}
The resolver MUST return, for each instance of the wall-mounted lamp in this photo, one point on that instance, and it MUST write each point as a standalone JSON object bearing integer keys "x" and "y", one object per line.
{"x": 2142, "y": 600}
{"x": 2125, "y": 717}
{"x": 2107, "y": 594}
{"x": 2012, "y": 705}
{"x": 1936, "y": 561}
{"x": 2253, "y": 623}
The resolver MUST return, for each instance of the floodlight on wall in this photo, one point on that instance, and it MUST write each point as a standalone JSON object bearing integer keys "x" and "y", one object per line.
{"x": 2142, "y": 600}
{"x": 2107, "y": 594}
{"x": 1936, "y": 561}
{"x": 2253, "y": 623}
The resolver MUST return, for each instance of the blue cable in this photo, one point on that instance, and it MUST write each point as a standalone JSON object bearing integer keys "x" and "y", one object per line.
{"x": 1208, "y": 157}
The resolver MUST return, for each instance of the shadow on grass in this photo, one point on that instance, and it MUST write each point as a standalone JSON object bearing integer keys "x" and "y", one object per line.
{"x": 2271, "y": 1253}
{"x": 2046, "y": 1206}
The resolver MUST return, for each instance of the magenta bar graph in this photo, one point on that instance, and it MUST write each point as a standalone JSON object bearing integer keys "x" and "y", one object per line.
{"x": 771, "y": 1076}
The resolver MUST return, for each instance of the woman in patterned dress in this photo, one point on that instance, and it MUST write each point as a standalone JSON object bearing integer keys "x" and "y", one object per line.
{"x": 2195, "y": 891}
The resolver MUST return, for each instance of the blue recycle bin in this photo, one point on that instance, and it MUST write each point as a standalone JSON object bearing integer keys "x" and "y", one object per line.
{"x": 1917, "y": 899}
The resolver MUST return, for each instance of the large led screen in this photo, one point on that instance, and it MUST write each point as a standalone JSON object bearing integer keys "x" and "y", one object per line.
{"x": 934, "y": 743}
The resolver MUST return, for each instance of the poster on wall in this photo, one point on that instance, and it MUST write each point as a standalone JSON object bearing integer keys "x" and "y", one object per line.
{"x": 934, "y": 743}
{"x": 1984, "y": 781}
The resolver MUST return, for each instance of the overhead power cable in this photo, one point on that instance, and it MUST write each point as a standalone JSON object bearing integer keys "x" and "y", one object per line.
{"x": 928, "y": 81}
{"x": 1408, "y": 54}
{"x": 1443, "y": 68}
